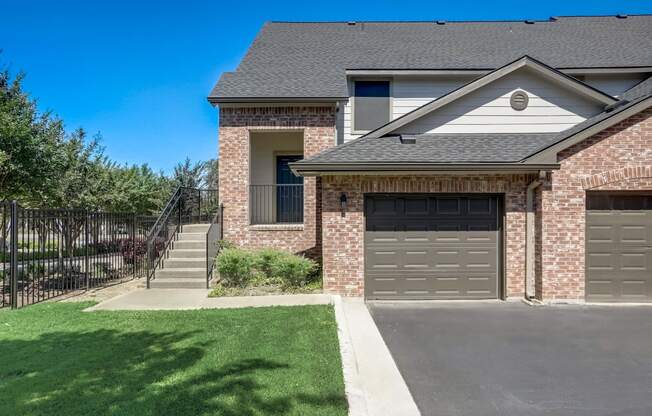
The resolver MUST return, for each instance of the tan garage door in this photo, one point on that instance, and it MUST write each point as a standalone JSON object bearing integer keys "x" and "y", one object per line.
{"x": 619, "y": 247}
{"x": 432, "y": 246}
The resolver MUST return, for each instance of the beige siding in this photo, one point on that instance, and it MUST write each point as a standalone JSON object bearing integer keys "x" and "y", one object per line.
{"x": 264, "y": 149}
{"x": 551, "y": 109}
{"x": 409, "y": 93}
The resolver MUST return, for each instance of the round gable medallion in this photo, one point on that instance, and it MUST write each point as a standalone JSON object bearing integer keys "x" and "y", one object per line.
{"x": 519, "y": 100}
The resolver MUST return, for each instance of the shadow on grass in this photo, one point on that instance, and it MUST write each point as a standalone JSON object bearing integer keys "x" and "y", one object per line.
{"x": 139, "y": 373}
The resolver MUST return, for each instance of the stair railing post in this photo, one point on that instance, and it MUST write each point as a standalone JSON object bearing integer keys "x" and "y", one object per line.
{"x": 13, "y": 265}
{"x": 199, "y": 205}
{"x": 221, "y": 233}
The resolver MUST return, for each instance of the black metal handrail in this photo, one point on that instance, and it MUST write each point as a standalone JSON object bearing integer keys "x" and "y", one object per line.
{"x": 213, "y": 237}
{"x": 274, "y": 204}
{"x": 160, "y": 238}
{"x": 186, "y": 206}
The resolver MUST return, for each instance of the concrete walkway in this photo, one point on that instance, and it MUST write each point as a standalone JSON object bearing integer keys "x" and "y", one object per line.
{"x": 374, "y": 386}
{"x": 181, "y": 299}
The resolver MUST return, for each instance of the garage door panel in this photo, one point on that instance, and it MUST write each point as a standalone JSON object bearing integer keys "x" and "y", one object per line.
{"x": 619, "y": 248}
{"x": 444, "y": 252}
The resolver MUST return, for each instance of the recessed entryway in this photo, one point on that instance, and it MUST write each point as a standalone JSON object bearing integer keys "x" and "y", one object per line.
{"x": 432, "y": 246}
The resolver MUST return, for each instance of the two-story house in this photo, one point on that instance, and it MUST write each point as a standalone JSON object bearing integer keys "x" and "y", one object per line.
{"x": 447, "y": 160}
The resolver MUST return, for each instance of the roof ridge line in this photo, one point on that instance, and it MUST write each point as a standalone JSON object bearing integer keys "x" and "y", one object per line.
{"x": 542, "y": 20}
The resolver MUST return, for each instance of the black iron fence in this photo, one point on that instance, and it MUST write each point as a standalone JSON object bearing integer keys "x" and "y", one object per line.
{"x": 273, "y": 204}
{"x": 45, "y": 253}
{"x": 199, "y": 205}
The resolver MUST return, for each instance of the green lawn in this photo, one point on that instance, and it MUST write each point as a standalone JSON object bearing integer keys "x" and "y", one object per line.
{"x": 57, "y": 360}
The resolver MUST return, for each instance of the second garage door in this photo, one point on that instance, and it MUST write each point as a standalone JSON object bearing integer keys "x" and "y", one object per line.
{"x": 432, "y": 246}
{"x": 619, "y": 248}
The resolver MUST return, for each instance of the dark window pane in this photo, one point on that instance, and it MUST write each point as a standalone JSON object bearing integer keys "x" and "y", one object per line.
{"x": 371, "y": 107}
{"x": 372, "y": 88}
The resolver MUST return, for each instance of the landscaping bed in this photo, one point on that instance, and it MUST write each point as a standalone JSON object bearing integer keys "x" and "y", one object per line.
{"x": 57, "y": 359}
{"x": 264, "y": 272}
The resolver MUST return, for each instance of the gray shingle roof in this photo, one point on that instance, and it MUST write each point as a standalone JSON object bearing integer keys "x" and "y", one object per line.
{"x": 639, "y": 90}
{"x": 458, "y": 148}
{"x": 310, "y": 59}
{"x": 438, "y": 148}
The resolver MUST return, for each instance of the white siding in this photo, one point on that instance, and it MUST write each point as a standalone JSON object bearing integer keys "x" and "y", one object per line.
{"x": 614, "y": 84}
{"x": 551, "y": 109}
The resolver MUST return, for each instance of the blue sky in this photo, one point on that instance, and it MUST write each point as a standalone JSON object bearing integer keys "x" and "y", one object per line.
{"x": 139, "y": 72}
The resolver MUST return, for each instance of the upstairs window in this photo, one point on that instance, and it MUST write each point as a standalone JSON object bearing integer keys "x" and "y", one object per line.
{"x": 371, "y": 105}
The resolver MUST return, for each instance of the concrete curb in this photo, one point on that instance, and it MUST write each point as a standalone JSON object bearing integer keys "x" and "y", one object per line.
{"x": 375, "y": 385}
{"x": 352, "y": 383}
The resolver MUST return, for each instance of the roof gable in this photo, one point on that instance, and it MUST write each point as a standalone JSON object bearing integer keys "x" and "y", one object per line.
{"x": 541, "y": 70}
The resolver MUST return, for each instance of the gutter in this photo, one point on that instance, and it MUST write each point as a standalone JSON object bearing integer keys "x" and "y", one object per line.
{"x": 530, "y": 237}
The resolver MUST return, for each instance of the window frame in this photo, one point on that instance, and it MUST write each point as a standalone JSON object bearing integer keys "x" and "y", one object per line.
{"x": 352, "y": 82}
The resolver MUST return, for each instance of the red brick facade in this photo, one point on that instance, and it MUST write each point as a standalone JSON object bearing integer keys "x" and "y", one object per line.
{"x": 619, "y": 158}
{"x": 318, "y": 127}
{"x": 343, "y": 251}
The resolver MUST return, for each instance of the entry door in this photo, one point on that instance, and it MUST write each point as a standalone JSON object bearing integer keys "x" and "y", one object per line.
{"x": 619, "y": 247}
{"x": 432, "y": 246}
{"x": 289, "y": 191}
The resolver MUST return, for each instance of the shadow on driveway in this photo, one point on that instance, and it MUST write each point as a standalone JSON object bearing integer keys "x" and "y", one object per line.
{"x": 511, "y": 359}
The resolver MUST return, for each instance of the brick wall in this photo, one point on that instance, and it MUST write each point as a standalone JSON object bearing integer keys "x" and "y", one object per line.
{"x": 318, "y": 127}
{"x": 618, "y": 158}
{"x": 343, "y": 236}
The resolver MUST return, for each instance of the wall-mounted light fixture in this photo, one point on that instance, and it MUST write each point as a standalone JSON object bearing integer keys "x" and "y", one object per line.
{"x": 343, "y": 203}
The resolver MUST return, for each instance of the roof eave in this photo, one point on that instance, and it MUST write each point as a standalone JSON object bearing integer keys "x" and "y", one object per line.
{"x": 221, "y": 100}
{"x": 403, "y": 168}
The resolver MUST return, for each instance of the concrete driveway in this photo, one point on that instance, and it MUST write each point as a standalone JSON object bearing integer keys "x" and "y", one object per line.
{"x": 511, "y": 359}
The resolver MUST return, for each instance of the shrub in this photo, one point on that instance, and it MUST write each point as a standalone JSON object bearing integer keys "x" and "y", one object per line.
{"x": 224, "y": 244}
{"x": 294, "y": 271}
{"x": 264, "y": 260}
{"x": 135, "y": 250}
{"x": 235, "y": 266}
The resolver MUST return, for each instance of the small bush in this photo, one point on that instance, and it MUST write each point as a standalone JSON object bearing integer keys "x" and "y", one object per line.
{"x": 294, "y": 271}
{"x": 224, "y": 244}
{"x": 235, "y": 266}
{"x": 264, "y": 260}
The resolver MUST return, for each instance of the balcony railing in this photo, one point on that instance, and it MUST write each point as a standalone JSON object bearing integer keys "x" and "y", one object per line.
{"x": 276, "y": 204}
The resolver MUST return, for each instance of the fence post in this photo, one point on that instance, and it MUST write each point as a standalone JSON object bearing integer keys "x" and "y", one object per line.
{"x": 13, "y": 259}
{"x": 133, "y": 245}
{"x": 87, "y": 259}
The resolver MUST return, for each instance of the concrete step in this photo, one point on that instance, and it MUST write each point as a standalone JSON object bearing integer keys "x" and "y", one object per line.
{"x": 195, "y": 228}
{"x": 179, "y": 253}
{"x": 184, "y": 236}
{"x": 183, "y": 245}
{"x": 174, "y": 283}
{"x": 181, "y": 273}
{"x": 185, "y": 262}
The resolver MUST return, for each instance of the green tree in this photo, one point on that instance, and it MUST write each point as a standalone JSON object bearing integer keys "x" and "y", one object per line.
{"x": 136, "y": 189}
{"x": 30, "y": 144}
{"x": 212, "y": 174}
{"x": 188, "y": 174}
